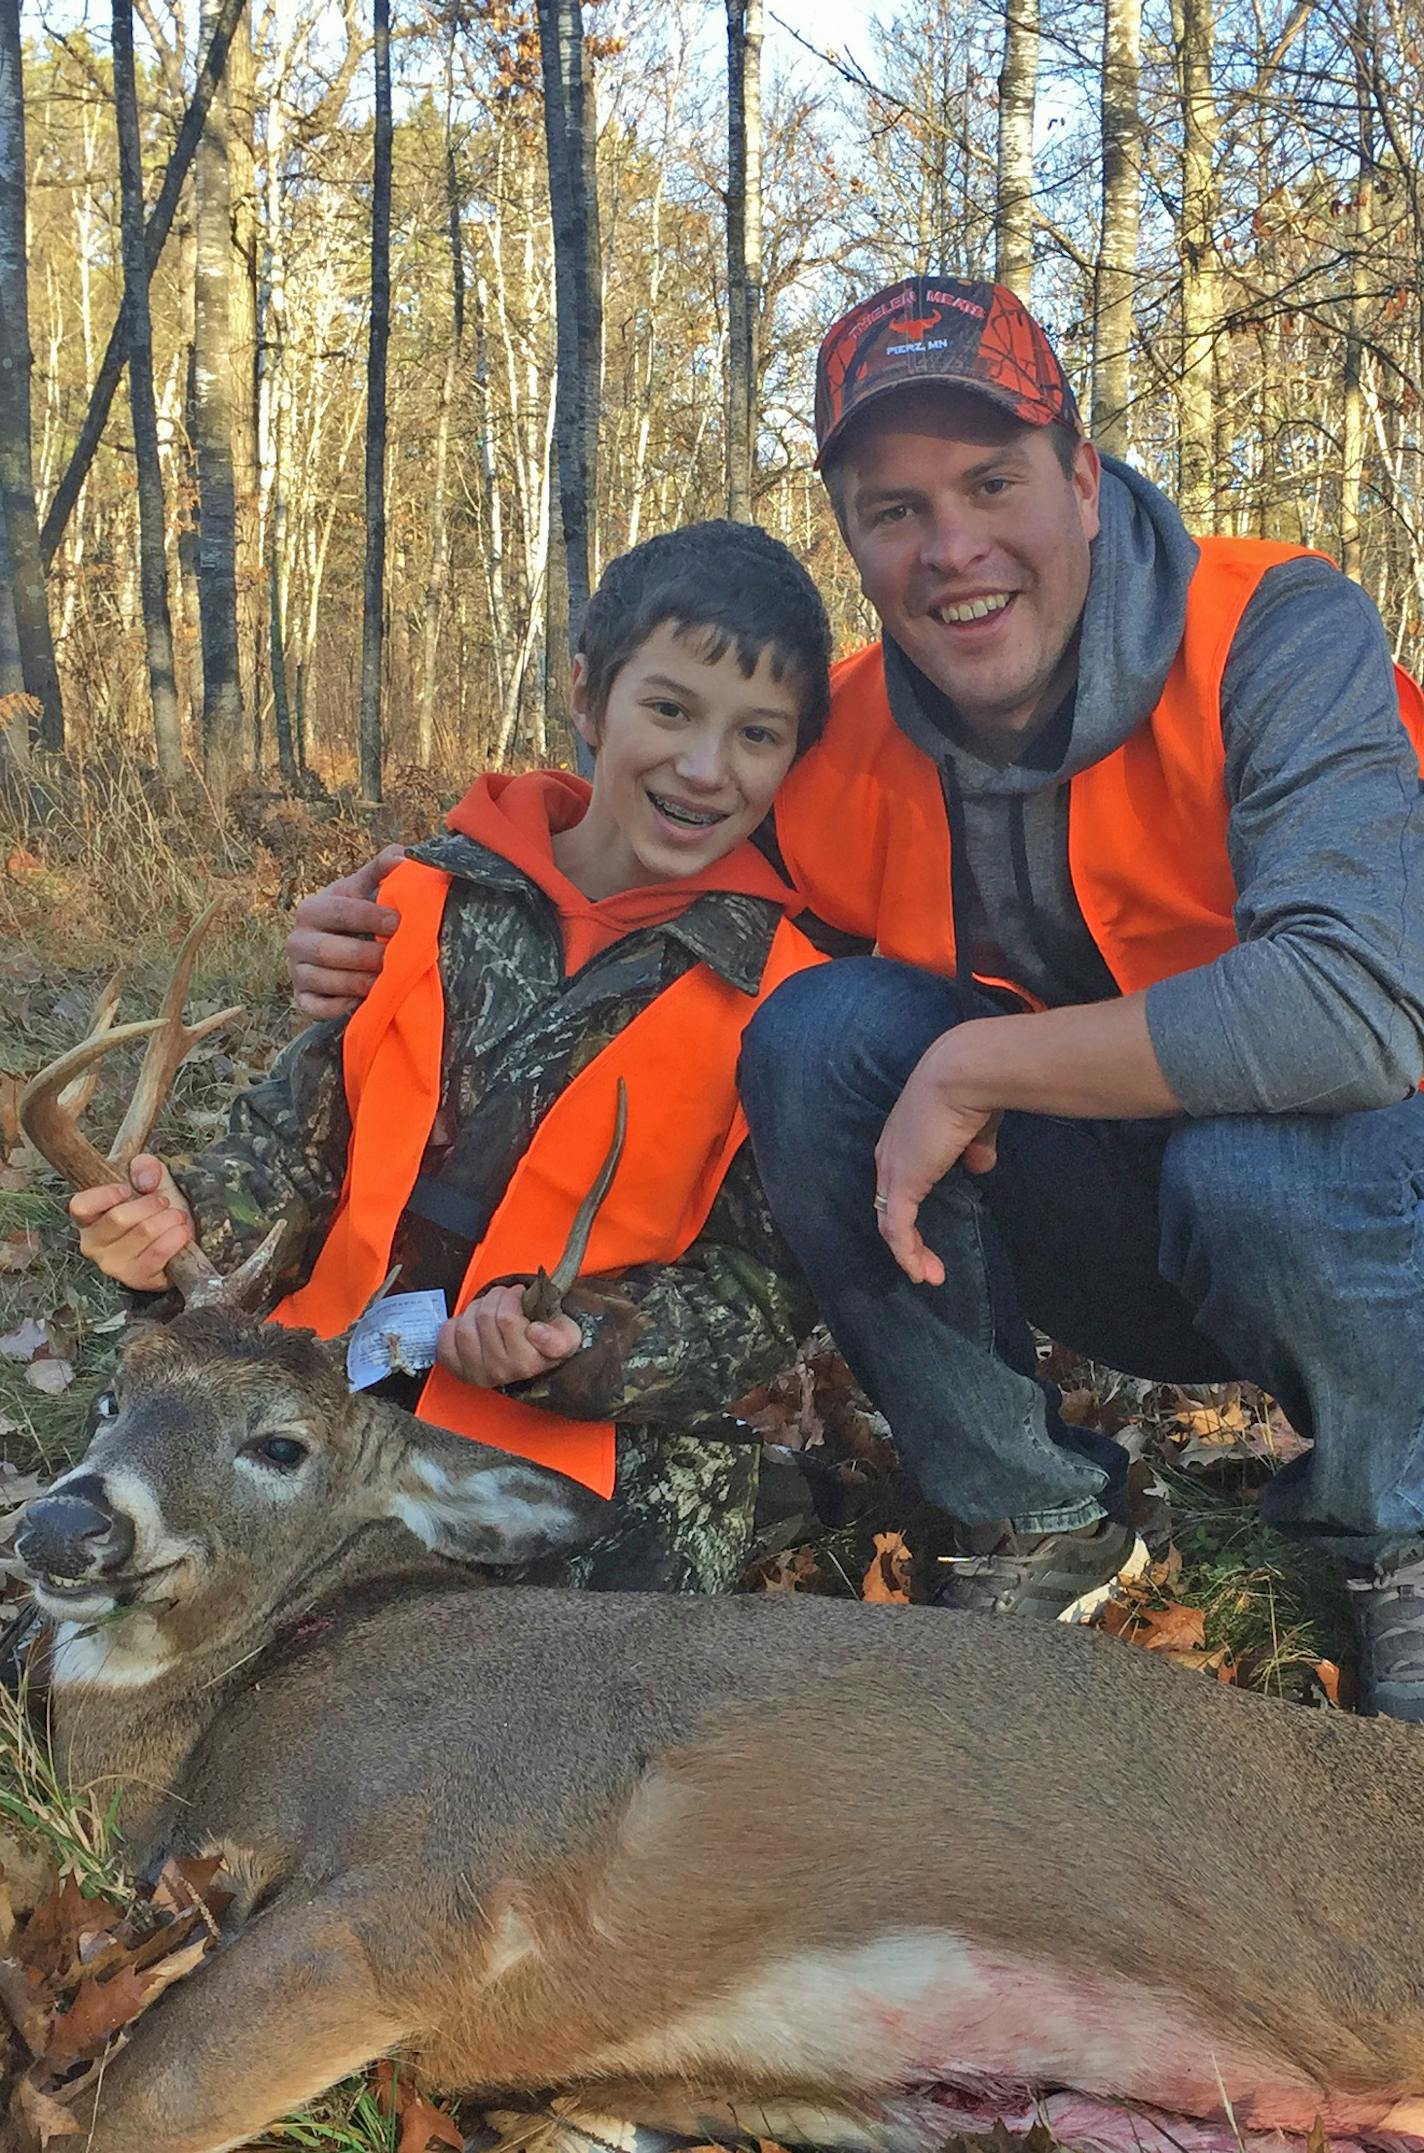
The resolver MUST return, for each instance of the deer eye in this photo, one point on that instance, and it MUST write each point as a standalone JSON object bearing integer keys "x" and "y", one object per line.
{"x": 106, "y": 1406}
{"x": 283, "y": 1451}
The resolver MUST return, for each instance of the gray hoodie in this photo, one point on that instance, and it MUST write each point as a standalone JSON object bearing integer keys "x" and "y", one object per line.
{"x": 1320, "y": 1007}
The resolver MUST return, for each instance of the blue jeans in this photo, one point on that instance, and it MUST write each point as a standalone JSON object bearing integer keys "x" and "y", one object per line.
{"x": 1285, "y": 1249}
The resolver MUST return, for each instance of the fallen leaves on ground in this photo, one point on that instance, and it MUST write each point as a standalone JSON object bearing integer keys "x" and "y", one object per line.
{"x": 76, "y": 1973}
{"x": 422, "y": 2124}
{"x": 1238, "y": 1423}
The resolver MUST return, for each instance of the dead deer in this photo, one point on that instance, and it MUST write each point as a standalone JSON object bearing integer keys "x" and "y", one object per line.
{"x": 774, "y": 1866}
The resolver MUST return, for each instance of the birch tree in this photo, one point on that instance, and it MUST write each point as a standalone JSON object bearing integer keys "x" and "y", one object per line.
{"x": 29, "y": 602}
{"x": 138, "y": 342}
{"x": 1193, "y": 28}
{"x": 373, "y": 592}
{"x": 1013, "y": 198}
{"x": 212, "y": 415}
{"x": 1121, "y": 198}
{"x": 744, "y": 271}
{"x": 578, "y": 305}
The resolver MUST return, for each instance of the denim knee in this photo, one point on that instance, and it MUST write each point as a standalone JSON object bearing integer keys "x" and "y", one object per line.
{"x": 852, "y": 1027}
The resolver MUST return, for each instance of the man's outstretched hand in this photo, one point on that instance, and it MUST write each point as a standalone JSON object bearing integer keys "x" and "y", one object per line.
{"x": 334, "y": 950}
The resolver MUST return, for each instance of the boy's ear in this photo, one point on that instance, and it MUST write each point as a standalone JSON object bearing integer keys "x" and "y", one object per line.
{"x": 585, "y": 723}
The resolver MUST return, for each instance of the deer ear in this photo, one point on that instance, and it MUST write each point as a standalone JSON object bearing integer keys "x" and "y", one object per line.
{"x": 479, "y": 1505}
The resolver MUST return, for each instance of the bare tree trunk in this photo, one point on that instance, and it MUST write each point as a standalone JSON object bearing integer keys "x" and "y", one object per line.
{"x": 29, "y": 599}
{"x": 138, "y": 341}
{"x": 437, "y": 589}
{"x": 1352, "y": 447}
{"x": 1013, "y": 206}
{"x": 374, "y": 585}
{"x": 744, "y": 295}
{"x": 225, "y": 18}
{"x": 578, "y": 309}
{"x": 1117, "y": 263}
{"x": 15, "y": 702}
{"x": 1193, "y": 30}
{"x": 217, "y": 511}
{"x": 238, "y": 99}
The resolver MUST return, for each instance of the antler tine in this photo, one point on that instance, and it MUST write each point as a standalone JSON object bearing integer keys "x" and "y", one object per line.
{"x": 77, "y": 1097}
{"x": 172, "y": 1040}
{"x": 51, "y": 1124}
{"x": 543, "y": 1297}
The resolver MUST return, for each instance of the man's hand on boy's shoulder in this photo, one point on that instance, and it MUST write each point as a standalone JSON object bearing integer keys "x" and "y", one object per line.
{"x": 492, "y": 1343}
{"x": 335, "y": 948}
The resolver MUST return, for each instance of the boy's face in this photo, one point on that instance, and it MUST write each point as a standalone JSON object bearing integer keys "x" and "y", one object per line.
{"x": 689, "y": 755}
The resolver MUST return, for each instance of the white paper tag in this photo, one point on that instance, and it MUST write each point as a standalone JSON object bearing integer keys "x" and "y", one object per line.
{"x": 396, "y": 1336}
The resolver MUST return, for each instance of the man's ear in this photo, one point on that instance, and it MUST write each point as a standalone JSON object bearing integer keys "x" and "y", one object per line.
{"x": 479, "y": 1505}
{"x": 585, "y": 722}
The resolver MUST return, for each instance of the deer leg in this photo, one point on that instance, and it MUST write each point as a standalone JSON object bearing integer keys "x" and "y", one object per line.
{"x": 683, "y": 2109}
{"x": 270, "y": 2020}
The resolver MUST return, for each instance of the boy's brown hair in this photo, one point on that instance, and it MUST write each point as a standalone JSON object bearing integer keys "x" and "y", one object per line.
{"x": 732, "y": 587}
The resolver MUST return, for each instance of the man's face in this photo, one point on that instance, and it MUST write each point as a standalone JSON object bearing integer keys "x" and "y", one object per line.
{"x": 972, "y": 545}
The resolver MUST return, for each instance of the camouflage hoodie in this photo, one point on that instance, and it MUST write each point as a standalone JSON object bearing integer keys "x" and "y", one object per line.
{"x": 669, "y": 1344}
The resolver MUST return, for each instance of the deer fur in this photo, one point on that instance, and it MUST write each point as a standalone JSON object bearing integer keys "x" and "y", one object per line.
{"x": 769, "y": 1865}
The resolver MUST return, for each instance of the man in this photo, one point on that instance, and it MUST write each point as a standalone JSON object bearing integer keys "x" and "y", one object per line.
{"x": 1140, "y": 824}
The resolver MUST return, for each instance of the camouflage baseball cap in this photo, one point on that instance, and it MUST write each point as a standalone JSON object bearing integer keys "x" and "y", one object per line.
{"x": 939, "y": 329}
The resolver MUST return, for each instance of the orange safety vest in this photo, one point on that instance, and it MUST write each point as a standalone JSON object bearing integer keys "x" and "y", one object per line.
{"x": 678, "y": 1058}
{"x": 864, "y": 834}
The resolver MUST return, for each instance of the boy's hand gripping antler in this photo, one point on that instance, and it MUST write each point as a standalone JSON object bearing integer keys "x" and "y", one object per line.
{"x": 53, "y": 1101}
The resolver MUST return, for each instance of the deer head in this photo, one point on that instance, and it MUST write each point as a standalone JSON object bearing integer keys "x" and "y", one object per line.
{"x": 230, "y": 1470}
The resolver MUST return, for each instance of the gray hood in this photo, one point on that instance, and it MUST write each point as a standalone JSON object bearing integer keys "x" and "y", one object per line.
{"x": 1142, "y": 562}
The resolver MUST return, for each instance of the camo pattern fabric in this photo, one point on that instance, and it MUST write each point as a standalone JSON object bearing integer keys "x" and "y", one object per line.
{"x": 668, "y": 1343}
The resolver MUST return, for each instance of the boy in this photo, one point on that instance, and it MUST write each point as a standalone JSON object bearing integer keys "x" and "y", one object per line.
{"x": 562, "y": 936}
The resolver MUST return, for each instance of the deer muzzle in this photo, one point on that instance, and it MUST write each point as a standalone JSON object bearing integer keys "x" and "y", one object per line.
{"x": 73, "y": 1538}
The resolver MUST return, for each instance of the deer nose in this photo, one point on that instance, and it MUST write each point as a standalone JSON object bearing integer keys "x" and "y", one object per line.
{"x": 68, "y": 1536}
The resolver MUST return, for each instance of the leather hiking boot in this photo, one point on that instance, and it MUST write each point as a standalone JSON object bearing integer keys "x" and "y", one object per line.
{"x": 1389, "y": 1622}
{"x": 1058, "y": 1577}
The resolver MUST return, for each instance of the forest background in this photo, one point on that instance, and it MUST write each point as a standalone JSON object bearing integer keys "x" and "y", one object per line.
{"x": 1214, "y": 204}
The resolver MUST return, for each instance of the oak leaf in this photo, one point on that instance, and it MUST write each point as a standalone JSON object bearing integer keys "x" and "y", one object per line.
{"x": 888, "y": 1578}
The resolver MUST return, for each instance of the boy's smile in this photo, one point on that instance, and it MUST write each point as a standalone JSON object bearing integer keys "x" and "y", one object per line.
{"x": 690, "y": 751}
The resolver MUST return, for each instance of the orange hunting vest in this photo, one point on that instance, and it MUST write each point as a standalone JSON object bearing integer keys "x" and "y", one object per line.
{"x": 863, "y": 830}
{"x": 678, "y": 1058}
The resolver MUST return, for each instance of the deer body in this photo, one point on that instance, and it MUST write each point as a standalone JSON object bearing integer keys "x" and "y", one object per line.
{"x": 776, "y": 1865}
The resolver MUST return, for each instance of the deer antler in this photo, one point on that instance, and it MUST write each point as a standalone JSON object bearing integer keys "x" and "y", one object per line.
{"x": 52, "y": 1102}
{"x": 543, "y": 1297}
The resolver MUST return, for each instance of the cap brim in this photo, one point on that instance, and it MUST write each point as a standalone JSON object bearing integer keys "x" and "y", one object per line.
{"x": 971, "y": 384}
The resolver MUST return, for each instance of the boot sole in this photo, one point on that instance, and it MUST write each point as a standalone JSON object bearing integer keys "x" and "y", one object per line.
{"x": 1089, "y": 1605}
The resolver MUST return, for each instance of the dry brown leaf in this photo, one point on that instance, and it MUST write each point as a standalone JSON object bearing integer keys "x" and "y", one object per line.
{"x": 99, "y": 2010}
{"x": 1173, "y": 1628}
{"x": 888, "y": 1578}
{"x": 46, "y": 2117}
{"x": 51, "y": 1939}
{"x": 187, "y": 1882}
{"x": 19, "y": 1249}
{"x": 791, "y": 1572}
{"x": 24, "y": 2006}
{"x": 1080, "y": 1408}
{"x": 422, "y": 2123}
{"x": 49, "y": 1375}
{"x": 25, "y": 1341}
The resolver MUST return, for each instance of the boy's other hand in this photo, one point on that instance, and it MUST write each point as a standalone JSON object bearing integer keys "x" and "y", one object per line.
{"x": 493, "y": 1342}
{"x": 333, "y": 950}
{"x": 131, "y": 1231}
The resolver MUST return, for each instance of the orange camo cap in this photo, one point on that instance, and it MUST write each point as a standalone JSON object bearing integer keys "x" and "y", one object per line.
{"x": 940, "y": 329}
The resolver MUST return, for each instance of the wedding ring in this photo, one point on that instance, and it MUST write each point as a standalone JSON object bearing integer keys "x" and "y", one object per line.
{"x": 881, "y": 1202}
